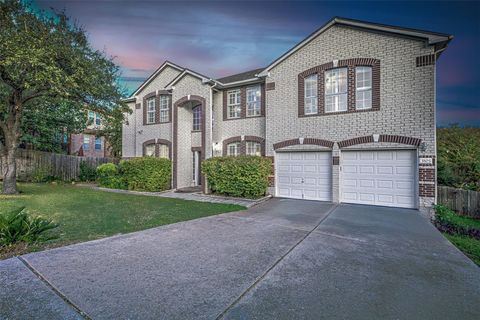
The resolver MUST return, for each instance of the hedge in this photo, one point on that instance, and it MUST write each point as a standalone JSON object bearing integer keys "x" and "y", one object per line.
{"x": 242, "y": 176}
{"x": 108, "y": 176}
{"x": 146, "y": 174}
{"x": 141, "y": 174}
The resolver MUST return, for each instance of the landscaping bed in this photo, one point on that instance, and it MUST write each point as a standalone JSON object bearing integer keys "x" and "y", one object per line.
{"x": 463, "y": 232}
{"x": 84, "y": 214}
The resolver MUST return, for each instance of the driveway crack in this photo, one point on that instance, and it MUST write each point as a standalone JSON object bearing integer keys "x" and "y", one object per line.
{"x": 54, "y": 289}
{"x": 254, "y": 284}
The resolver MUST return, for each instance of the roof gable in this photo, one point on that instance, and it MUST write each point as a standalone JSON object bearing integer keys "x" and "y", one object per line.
{"x": 155, "y": 74}
{"x": 432, "y": 38}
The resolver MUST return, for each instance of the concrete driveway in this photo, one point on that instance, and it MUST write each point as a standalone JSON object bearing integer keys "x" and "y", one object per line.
{"x": 283, "y": 259}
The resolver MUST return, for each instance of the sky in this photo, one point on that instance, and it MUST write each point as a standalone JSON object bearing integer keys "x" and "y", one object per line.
{"x": 219, "y": 38}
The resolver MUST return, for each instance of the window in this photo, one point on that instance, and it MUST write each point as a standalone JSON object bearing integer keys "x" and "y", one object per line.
{"x": 163, "y": 151}
{"x": 233, "y": 149}
{"x": 91, "y": 117}
{"x": 233, "y": 104}
{"x": 311, "y": 94}
{"x": 164, "y": 108}
{"x": 98, "y": 143}
{"x": 363, "y": 83}
{"x": 253, "y": 101}
{"x": 336, "y": 90}
{"x": 150, "y": 150}
{"x": 254, "y": 148}
{"x": 98, "y": 119}
{"x": 151, "y": 110}
{"x": 197, "y": 118}
{"x": 86, "y": 142}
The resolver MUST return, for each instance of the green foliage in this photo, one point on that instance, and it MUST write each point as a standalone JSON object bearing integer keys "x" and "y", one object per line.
{"x": 112, "y": 131}
{"x": 468, "y": 245}
{"x": 448, "y": 221}
{"x": 87, "y": 171}
{"x": 243, "y": 176}
{"x": 146, "y": 174}
{"x": 108, "y": 176}
{"x": 40, "y": 174}
{"x": 459, "y": 157}
{"x": 18, "y": 225}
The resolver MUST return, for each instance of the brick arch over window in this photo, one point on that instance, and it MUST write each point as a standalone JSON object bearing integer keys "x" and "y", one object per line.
{"x": 382, "y": 138}
{"x": 176, "y": 105}
{"x": 147, "y": 143}
{"x": 350, "y": 64}
{"x": 310, "y": 141}
{"x": 243, "y": 144}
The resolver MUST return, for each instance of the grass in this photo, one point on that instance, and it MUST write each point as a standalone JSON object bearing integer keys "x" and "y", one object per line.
{"x": 460, "y": 230}
{"x": 85, "y": 214}
{"x": 468, "y": 245}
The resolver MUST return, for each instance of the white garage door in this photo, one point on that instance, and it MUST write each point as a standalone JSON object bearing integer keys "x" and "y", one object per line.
{"x": 304, "y": 175}
{"x": 384, "y": 178}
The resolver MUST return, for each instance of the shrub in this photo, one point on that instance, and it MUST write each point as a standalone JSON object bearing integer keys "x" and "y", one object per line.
{"x": 146, "y": 174}
{"x": 18, "y": 225}
{"x": 41, "y": 174}
{"x": 243, "y": 176}
{"x": 108, "y": 176}
{"x": 87, "y": 171}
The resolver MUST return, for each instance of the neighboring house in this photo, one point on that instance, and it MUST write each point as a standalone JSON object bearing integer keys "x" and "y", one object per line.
{"x": 89, "y": 143}
{"x": 347, "y": 115}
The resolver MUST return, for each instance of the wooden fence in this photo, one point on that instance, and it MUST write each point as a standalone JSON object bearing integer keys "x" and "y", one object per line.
{"x": 465, "y": 202}
{"x": 31, "y": 163}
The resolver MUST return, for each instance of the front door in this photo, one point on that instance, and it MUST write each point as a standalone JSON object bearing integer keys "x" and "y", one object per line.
{"x": 197, "y": 181}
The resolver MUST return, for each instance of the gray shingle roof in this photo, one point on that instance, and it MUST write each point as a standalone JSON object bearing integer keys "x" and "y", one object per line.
{"x": 240, "y": 76}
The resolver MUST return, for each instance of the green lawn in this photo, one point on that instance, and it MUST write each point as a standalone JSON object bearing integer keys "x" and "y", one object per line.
{"x": 84, "y": 214}
{"x": 468, "y": 245}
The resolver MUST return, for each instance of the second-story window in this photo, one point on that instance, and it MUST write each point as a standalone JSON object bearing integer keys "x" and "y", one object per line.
{"x": 151, "y": 110}
{"x": 253, "y": 101}
{"x": 197, "y": 118}
{"x": 336, "y": 90}
{"x": 233, "y": 104}
{"x": 363, "y": 84}
{"x": 91, "y": 117}
{"x": 311, "y": 94}
{"x": 164, "y": 108}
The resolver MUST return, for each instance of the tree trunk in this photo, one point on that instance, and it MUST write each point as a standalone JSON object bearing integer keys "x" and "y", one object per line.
{"x": 9, "y": 169}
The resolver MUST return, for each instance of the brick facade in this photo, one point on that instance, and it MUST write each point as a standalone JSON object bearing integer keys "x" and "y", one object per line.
{"x": 402, "y": 113}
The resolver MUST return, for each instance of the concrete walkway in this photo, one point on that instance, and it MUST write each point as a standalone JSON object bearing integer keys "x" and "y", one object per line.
{"x": 283, "y": 259}
{"x": 197, "y": 196}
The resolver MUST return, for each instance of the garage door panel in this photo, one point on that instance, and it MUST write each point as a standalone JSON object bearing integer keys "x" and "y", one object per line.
{"x": 388, "y": 178}
{"x": 306, "y": 175}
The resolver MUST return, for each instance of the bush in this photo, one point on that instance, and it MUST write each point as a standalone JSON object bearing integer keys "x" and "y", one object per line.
{"x": 146, "y": 174}
{"x": 108, "y": 176}
{"x": 243, "y": 176}
{"x": 87, "y": 171}
{"x": 41, "y": 174}
{"x": 18, "y": 225}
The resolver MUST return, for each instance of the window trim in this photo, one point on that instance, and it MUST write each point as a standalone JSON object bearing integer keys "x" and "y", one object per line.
{"x": 335, "y": 95}
{"x": 350, "y": 64}
{"x": 166, "y": 110}
{"x": 258, "y": 88}
{"x": 197, "y": 126}
{"x": 149, "y": 112}
{"x": 237, "y": 104}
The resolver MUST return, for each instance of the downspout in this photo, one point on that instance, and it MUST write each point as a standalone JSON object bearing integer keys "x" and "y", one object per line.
{"x": 211, "y": 118}
{"x": 135, "y": 128}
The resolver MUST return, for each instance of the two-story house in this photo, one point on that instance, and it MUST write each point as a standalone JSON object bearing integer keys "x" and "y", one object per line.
{"x": 89, "y": 143}
{"x": 347, "y": 115}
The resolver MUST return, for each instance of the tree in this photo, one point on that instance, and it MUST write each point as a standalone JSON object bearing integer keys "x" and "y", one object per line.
{"x": 46, "y": 56}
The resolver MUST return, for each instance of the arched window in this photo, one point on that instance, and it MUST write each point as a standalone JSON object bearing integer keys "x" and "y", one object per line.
{"x": 150, "y": 150}
{"x": 233, "y": 149}
{"x": 163, "y": 151}
{"x": 254, "y": 148}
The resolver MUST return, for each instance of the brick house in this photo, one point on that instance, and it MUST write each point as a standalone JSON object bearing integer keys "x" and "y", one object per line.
{"x": 89, "y": 143}
{"x": 347, "y": 115}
